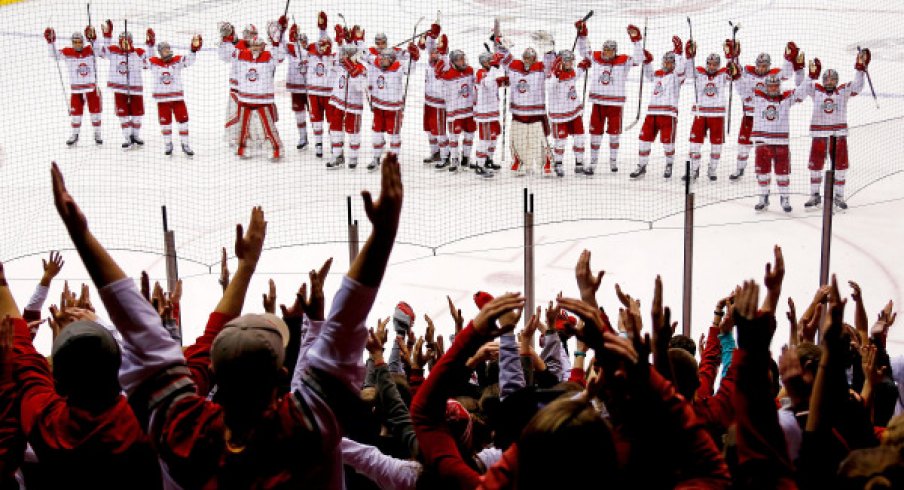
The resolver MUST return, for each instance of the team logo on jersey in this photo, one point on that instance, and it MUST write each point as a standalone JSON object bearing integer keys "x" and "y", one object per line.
{"x": 464, "y": 91}
{"x": 381, "y": 82}
{"x": 301, "y": 68}
{"x": 658, "y": 89}
{"x": 319, "y": 70}
{"x": 166, "y": 78}
{"x": 82, "y": 70}
{"x": 523, "y": 86}
{"x": 829, "y": 106}
{"x": 605, "y": 77}
{"x": 341, "y": 81}
{"x": 572, "y": 93}
{"x": 122, "y": 68}
{"x": 760, "y": 86}
{"x": 251, "y": 75}
{"x": 710, "y": 89}
{"x": 771, "y": 113}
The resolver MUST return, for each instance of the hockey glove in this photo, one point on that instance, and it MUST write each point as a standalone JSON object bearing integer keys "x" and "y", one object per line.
{"x": 734, "y": 70}
{"x": 800, "y": 61}
{"x": 340, "y": 34}
{"x": 634, "y": 33}
{"x": 647, "y": 57}
{"x": 357, "y": 33}
{"x": 584, "y": 64}
{"x": 732, "y": 48}
{"x": 150, "y": 37}
{"x": 581, "y": 27}
{"x": 293, "y": 33}
{"x": 283, "y": 22}
{"x": 434, "y": 31}
{"x": 678, "y": 48}
{"x": 422, "y": 42}
{"x": 226, "y": 30}
{"x": 107, "y": 28}
{"x": 863, "y": 59}
{"x": 90, "y": 34}
{"x": 50, "y": 35}
{"x": 196, "y": 43}
{"x": 502, "y": 81}
{"x": 321, "y": 21}
{"x": 791, "y": 51}
{"x": 414, "y": 52}
{"x": 690, "y": 48}
{"x": 815, "y": 68}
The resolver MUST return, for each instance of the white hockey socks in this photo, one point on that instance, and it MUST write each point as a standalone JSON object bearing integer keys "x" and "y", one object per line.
{"x": 815, "y": 181}
{"x": 784, "y": 185}
{"x": 379, "y": 143}
{"x": 395, "y": 144}
{"x": 443, "y": 146}
{"x": 669, "y": 150}
{"x": 763, "y": 181}
{"x": 467, "y": 144}
{"x": 76, "y": 124}
{"x": 839, "y": 183}
{"x": 595, "y": 141}
{"x": 643, "y": 153}
{"x": 559, "y": 149}
{"x": 613, "y": 147}
{"x": 482, "y": 151}
{"x": 167, "y": 131}
{"x": 715, "y": 156}
{"x": 336, "y": 142}
{"x": 578, "y": 148}
{"x": 318, "y": 132}
{"x": 302, "y": 125}
{"x": 354, "y": 144}
{"x": 743, "y": 155}
{"x": 694, "y": 154}
{"x": 183, "y": 133}
{"x": 126, "y": 124}
{"x": 136, "y": 125}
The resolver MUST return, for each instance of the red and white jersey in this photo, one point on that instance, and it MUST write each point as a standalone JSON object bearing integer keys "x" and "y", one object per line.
{"x": 373, "y": 52}
{"x": 528, "y": 93}
{"x": 125, "y": 67}
{"x": 80, "y": 66}
{"x": 666, "y": 89}
{"x": 830, "y": 109}
{"x": 387, "y": 86}
{"x": 320, "y": 72}
{"x": 564, "y": 102}
{"x": 168, "y": 76}
{"x": 460, "y": 93}
{"x": 607, "y": 78}
{"x": 487, "y": 107}
{"x": 771, "y": 115}
{"x": 711, "y": 92}
{"x": 255, "y": 76}
{"x": 434, "y": 89}
{"x": 227, "y": 52}
{"x": 350, "y": 99}
{"x": 751, "y": 81}
{"x": 297, "y": 72}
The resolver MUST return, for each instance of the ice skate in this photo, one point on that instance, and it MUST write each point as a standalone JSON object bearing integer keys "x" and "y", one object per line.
{"x": 590, "y": 169}
{"x": 337, "y": 162}
{"x": 187, "y": 150}
{"x": 737, "y": 174}
{"x": 374, "y": 163}
{"x": 578, "y": 168}
{"x": 484, "y": 172}
{"x": 98, "y": 138}
{"x": 815, "y": 199}
{"x": 711, "y": 172}
{"x": 168, "y": 149}
{"x": 441, "y": 164}
{"x": 454, "y": 165}
{"x": 613, "y": 166}
{"x": 72, "y": 139}
{"x": 763, "y": 204}
{"x": 640, "y": 170}
{"x": 786, "y": 204}
{"x": 302, "y": 142}
{"x": 492, "y": 165}
{"x": 839, "y": 202}
{"x": 138, "y": 141}
{"x": 352, "y": 162}
{"x": 432, "y": 158}
{"x": 318, "y": 150}
{"x": 559, "y": 169}
{"x": 668, "y": 171}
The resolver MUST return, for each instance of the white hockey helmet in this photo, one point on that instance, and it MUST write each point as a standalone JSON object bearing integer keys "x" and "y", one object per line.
{"x": 610, "y": 45}
{"x": 566, "y": 55}
{"x": 381, "y": 38}
{"x": 773, "y": 84}
{"x": 763, "y": 59}
{"x": 125, "y": 35}
{"x": 349, "y": 51}
{"x": 713, "y": 62}
{"x": 249, "y": 33}
{"x": 164, "y": 50}
{"x": 77, "y": 36}
{"x": 669, "y": 57}
{"x": 258, "y": 45}
{"x": 828, "y": 76}
{"x": 529, "y": 53}
{"x": 387, "y": 57}
{"x": 485, "y": 59}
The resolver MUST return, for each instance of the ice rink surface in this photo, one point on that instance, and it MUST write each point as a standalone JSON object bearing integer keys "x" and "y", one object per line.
{"x": 459, "y": 233}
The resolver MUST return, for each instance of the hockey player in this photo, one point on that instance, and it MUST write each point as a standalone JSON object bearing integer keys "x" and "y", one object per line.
{"x": 662, "y": 111}
{"x": 829, "y": 119}
{"x": 530, "y": 126}
{"x": 381, "y": 43}
{"x": 487, "y": 81}
{"x": 458, "y": 86}
{"x": 752, "y": 79}
{"x": 709, "y": 109}
{"x": 434, "y": 124}
{"x": 320, "y": 71}
{"x": 385, "y": 84}
{"x": 80, "y": 64}
{"x": 256, "y": 69}
{"x": 770, "y": 133}
{"x": 166, "y": 69}
{"x": 228, "y": 49}
{"x": 296, "y": 81}
{"x": 566, "y": 111}
{"x": 125, "y": 80}
{"x": 347, "y": 102}
{"x": 607, "y": 90}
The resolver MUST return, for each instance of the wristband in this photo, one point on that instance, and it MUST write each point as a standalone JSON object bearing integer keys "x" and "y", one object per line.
{"x": 578, "y": 353}
{"x": 719, "y": 313}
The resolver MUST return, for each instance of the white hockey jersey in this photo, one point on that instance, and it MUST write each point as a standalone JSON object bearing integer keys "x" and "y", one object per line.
{"x": 666, "y": 89}
{"x": 255, "y": 76}
{"x": 297, "y": 72}
{"x": 434, "y": 89}
{"x": 352, "y": 99}
{"x": 711, "y": 92}
{"x": 564, "y": 102}
{"x": 125, "y": 67}
{"x": 386, "y": 87}
{"x": 373, "y": 52}
{"x": 460, "y": 94}
{"x": 80, "y": 66}
{"x": 320, "y": 72}
{"x": 607, "y": 78}
{"x": 830, "y": 109}
{"x": 227, "y": 52}
{"x": 751, "y": 81}
{"x": 772, "y": 115}
{"x": 168, "y": 76}
{"x": 486, "y": 108}
{"x": 528, "y": 93}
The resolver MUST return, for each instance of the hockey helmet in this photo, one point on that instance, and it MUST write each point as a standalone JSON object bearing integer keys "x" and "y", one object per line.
{"x": 457, "y": 57}
{"x": 609, "y": 49}
{"x": 773, "y": 84}
{"x": 380, "y": 39}
{"x": 566, "y": 55}
{"x": 349, "y": 51}
{"x": 249, "y": 33}
{"x": 763, "y": 62}
{"x": 78, "y": 41}
{"x": 165, "y": 50}
{"x": 258, "y": 45}
{"x": 386, "y": 58}
{"x": 125, "y": 35}
{"x": 668, "y": 57}
{"x": 78, "y": 36}
{"x": 303, "y": 39}
{"x": 713, "y": 62}
{"x": 529, "y": 54}
{"x": 830, "y": 78}
{"x": 485, "y": 59}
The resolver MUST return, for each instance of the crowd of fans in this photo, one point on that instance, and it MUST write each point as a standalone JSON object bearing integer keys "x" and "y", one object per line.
{"x": 287, "y": 401}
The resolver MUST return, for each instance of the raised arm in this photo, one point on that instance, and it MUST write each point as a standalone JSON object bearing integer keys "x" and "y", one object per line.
{"x": 52, "y": 267}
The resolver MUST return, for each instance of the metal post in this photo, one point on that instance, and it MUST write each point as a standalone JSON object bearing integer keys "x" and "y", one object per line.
{"x": 528, "y": 255}
{"x": 353, "y": 242}
{"x": 172, "y": 264}
{"x": 688, "y": 251}
{"x": 827, "y": 203}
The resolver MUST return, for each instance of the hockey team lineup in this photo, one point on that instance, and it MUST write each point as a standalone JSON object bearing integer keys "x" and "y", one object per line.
{"x": 513, "y": 112}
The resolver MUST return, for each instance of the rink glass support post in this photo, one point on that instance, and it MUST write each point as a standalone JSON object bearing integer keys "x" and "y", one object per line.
{"x": 353, "y": 242}
{"x": 827, "y": 204}
{"x": 528, "y": 253}
{"x": 688, "y": 251}
{"x": 172, "y": 264}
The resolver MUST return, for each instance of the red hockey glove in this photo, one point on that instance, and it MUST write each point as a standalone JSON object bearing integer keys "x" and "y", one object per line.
{"x": 496, "y": 61}
{"x": 647, "y": 57}
{"x": 357, "y": 33}
{"x": 226, "y": 30}
{"x": 283, "y": 22}
{"x": 90, "y": 34}
{"x": 800, "y": 61}
{"x": 340, "y": 34}
{"x": 150, "y": 37}
{"x": 634, "y": 33}
{"x": 125, "y": 44}
{"x": 50, "y": 35}
{"x": 863, "y": 59}
{"x": 678, "y": 48}
{"x": 732, "y": 48}
{"x": 293, "y": 33}
{"x": 690, "y": 48}
{"x": 442, "y": 45}
{"x": 434, "y": 30}
{"x": 502, "y": 81}
{"x": 422, "y": 42}
{"x": 414, "y": 52}
{"x": 581, "y": 27}
{"x": 584, "y": 64}
{"x": 196, "y": 43}
{"x": 815, "y": 68}
{"x": 321, "y": 21}
{"x": 439, "y": 68}
{"x": 791, "y": 51}
{"x": 734, "y": 70}
{"x": 107, "y": 28}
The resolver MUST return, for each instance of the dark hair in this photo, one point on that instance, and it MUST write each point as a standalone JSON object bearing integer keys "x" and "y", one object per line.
{"x": 683, "y": 342}
{"x": 684, "y": 372}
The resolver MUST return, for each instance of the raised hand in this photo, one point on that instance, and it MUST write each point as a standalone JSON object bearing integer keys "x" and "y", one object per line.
{"x": 314, "y": 306}
{"x": 833, "y": 324}
{"x": 775, "y": 274}
{"x": 456, "y": 315}
{"x": 224, "y": 270}
{"x": 430, "y": 334}
{"x": 69, "y": 212}
{"x": 384, "y": 213}
{"x": 52, "y": 267}
{"x": 270, "y": 298}
{"x": 662, "y": 331}
{"x": 792, "y": 322}
{"x": 755, "y": 329}
{"x": 507, "y": 306}
{"x": 248, "y": 245}
{"x": 84, "y": 299}
{"x": 588, "y": 283}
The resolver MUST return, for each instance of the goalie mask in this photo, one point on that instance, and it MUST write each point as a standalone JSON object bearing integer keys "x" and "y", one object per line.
{"x": 165, "y": 51}
{"x": 773, "y": 85}
{"x": 610, "y": 47}
{"x": 830, "y": 79}
{"x": 381, "y": 40}
{"x": 249, "y": 33}
{"x": 387, "y": 58}
{"x": 457, "y": 57}
{"x": 763, "y": 63}
{"x": 485, "y": 59}
{"x": 713, "y": 62}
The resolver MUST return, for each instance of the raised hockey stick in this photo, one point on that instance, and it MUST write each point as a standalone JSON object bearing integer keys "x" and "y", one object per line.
{"x": 693, "y": 61}
{"x": 128, "y": 73}
{"x": 56, "y": 57}
{"x": 734, "y": 32}
{"x": 584, "y": 19}
{"x": 496, "y": 38}
{"x": 418, "y": 34}
{"x": 640, "y": 92}
{"x": 401, "y": 113}
{"x": 94, "y": 56}
{"x": 869, "y": 80}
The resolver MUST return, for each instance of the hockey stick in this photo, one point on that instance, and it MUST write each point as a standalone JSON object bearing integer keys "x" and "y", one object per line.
{"x": 94, "y": 56}
{"x": 640, "y": 93}
{"x": 496, "y": 38}
{"x": 419, "y": 34}
{"x": 869, "y": 80}
{"x": 693, "y": 61}
{"x": 586, "y": 17}
{"x": 734, "y": 32}
{"x": 56, "y": 57}
{"x": 401, "y": 111}
{"x": 129, "y": 75}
